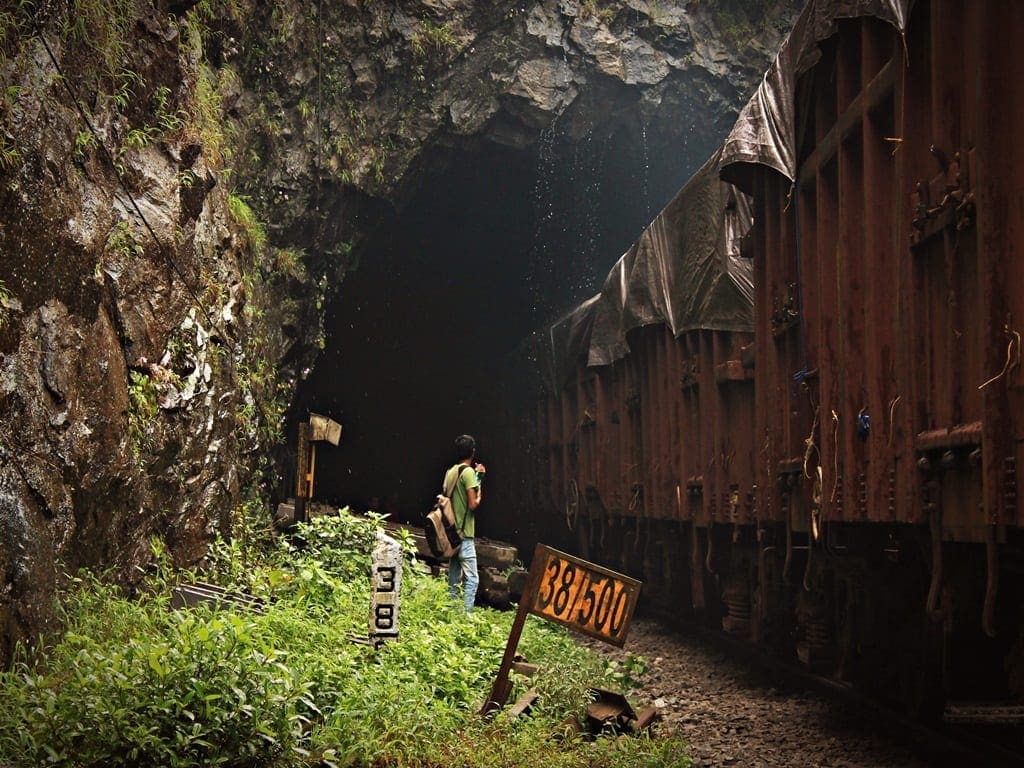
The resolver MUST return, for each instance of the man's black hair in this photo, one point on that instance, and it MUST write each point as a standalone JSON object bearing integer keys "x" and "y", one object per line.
{"x": 465, "y": 447}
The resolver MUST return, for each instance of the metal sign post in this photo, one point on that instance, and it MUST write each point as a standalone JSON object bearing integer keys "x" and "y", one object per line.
{"x": 568, "y": 590}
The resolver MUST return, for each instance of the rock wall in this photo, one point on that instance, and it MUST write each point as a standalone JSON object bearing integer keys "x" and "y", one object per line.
{"x": 139, "y": 326}
{"x": 341, "y": 100}
{"x": 182, "y": 186}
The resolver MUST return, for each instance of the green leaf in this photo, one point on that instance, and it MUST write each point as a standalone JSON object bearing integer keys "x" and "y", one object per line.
{"x": 154, "y": 663}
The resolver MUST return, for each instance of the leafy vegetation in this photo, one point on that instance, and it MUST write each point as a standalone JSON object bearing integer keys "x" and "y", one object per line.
{"x": 9, "y": 154}
{"x": 142, "y": 414}
{"x": 205, "y": 122}
{"x": 15, "y": 18}
{"x": 739, "y": 20}
{"x": 590, "y": 8}
{"x": 122, "y": 244}
{"x": 244, "y": 215}
{"x": 85, "y": 143}
{"x": 264, "y": 392}
{"x": 433, "y": 39}
{"x": 97, "y": 43}
{"x": 131, "y": 682}
{"x": 99, "y": 34}
{"x": 5, "y": 299}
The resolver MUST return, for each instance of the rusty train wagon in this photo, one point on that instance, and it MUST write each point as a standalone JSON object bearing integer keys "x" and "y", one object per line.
{"x": 854, "y": 506}
{"x": 642, "y": 440}
{"x": 888, "y": 304}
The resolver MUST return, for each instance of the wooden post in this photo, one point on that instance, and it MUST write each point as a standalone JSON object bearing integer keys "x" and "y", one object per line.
{"x": 502, "y": 687}
{"x": 302, "y": 473}
{"x": 312, "y": 468}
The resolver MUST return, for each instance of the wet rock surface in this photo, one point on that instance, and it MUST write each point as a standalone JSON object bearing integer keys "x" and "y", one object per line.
{"x": 734, "y": 715}
{"x": 396, "y": 82}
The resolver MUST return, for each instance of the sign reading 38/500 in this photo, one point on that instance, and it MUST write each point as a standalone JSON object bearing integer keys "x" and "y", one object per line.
{"x": 584, "y": 596}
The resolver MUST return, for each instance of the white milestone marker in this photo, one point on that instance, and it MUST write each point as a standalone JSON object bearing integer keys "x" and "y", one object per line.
{"x": 386, "y": 586}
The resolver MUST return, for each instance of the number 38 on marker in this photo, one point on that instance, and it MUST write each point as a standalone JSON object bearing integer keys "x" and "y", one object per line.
{"x": 584, "y": 596}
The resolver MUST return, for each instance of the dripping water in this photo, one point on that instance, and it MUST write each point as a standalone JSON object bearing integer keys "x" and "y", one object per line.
{"x": 645, "y": 194}
{"x": 541, "y": 259}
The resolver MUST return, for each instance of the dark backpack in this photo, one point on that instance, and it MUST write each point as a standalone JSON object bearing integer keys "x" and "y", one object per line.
{"x": 441, "y": 529}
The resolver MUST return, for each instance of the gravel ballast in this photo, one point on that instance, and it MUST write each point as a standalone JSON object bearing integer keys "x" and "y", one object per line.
{"x": 733, "y": 714}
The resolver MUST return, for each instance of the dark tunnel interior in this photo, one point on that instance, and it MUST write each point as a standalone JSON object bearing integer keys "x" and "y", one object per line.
{"x": 493, "y": 243}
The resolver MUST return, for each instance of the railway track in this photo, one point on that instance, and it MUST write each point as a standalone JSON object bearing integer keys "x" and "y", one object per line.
{"x": 737, "y": 706}
{"x": 969, "y": 741}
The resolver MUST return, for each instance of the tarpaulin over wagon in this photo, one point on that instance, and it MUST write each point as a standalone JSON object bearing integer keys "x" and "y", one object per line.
{"x": 570, "y": 339}
{"x": 765, "y": 133}
{"x": 684, "y": 271}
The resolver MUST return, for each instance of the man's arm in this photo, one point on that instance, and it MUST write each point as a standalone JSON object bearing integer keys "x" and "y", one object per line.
{"x": 475, "y": 494}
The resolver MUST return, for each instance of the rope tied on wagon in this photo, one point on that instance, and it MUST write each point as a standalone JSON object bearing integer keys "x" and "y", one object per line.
{"x": 809, "y": 445}
{"x": 892, "y": 415}
{"x": 835, "y": 451}
{"x": 1012, "y": 361}
{"x": 572, "y": 504}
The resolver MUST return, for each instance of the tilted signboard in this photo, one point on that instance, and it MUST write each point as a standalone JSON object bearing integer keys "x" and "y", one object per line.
{"x": 568, "y": 590}
{"x": 586, "y": 597}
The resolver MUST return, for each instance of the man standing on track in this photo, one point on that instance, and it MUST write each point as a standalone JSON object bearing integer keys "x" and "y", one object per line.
{"x": 465, "y": 497}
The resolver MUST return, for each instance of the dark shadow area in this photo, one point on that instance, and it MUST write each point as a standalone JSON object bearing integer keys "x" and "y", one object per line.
{"x": 493, "y": 243}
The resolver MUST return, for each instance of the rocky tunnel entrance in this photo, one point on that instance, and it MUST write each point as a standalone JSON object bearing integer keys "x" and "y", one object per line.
{"x": 493, "y": 242}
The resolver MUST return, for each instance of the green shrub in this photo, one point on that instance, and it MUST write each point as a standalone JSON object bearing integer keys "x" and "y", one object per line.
{"x": 149, "y": 687}
{"x": 133, "y": 683}
{"x": 144, "y": 409}
{"x": 433, "y": 39}
{"x": 246, "y": 218}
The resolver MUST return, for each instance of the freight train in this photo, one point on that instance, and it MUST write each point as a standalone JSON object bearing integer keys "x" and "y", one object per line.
{"x": 795, "y": 410}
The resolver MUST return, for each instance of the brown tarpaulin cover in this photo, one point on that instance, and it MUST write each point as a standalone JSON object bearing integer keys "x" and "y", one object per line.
{"x": 765, "y": 133}
{"x": 684, "y": 271}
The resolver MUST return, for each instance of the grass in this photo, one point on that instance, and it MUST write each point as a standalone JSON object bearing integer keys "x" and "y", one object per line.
{"x": 131, "y": 682}
{"x": 433, "y": 39}
{"x": 246, "y": 218}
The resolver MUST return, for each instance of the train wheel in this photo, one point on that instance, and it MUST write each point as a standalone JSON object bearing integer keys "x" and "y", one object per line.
{"x": 920, "y": 688}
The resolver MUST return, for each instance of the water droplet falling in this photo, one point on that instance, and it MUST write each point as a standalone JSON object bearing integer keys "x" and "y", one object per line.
{"x": 645, "y": 192}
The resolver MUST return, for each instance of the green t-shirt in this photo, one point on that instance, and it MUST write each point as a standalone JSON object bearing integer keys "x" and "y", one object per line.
{"x": 465, "y": 518}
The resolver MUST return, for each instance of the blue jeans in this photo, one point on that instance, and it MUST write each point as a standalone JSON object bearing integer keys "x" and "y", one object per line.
{"x": 464, "y": 562}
